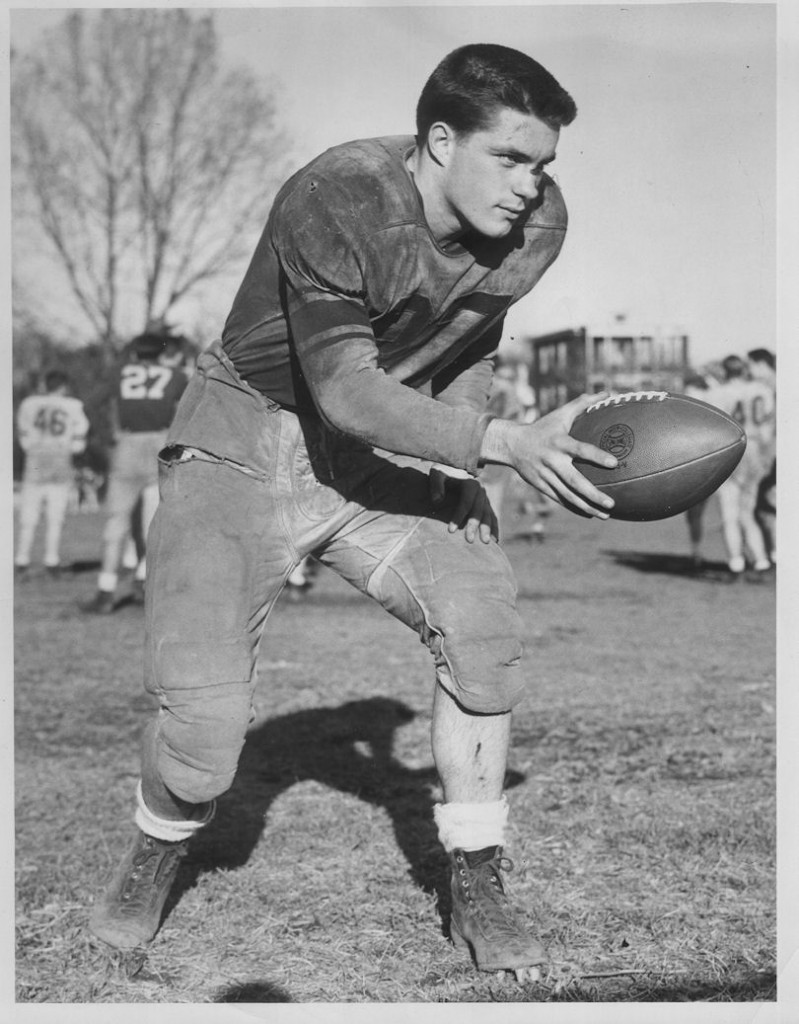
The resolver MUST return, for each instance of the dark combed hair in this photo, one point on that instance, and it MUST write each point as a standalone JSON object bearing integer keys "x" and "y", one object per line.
{"x": 148, "y": 346}
{"x": 763, "y": 355}
{"x": 474, "y": 81}
{"x": 55, "y": 379}
{"x": 733, "y": 366}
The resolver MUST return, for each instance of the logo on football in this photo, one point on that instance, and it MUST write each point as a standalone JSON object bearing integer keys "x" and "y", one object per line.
{"x": 619, "y": 440}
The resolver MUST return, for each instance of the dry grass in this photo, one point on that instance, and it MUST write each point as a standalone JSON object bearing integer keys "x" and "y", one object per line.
{"x": 641, "y": 782}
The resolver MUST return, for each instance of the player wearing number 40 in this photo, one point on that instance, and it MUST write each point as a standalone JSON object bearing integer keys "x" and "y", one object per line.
{"x": 52, "y": 429}
{"x": 147, "y": 390}
{"x": 752, "y": 404}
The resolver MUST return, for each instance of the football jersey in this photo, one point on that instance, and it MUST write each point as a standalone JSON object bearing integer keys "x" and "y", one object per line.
{"x": 52, "y": 428}
{"x": 350, "y": 305}
{"x": 752, "y": 404}
{"x": 146, "y": 396}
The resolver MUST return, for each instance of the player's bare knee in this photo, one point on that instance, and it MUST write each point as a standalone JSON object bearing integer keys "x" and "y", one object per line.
{"x": 116, "y": 528}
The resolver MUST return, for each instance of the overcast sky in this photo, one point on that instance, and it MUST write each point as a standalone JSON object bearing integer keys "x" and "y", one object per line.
{"x": 668, "y": 172}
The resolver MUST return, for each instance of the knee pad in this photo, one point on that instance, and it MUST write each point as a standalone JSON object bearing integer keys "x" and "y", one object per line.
{"x": 482, "y": 671}
{"x": 203, "y": 722}
{"x": 459, "y": 598}
{"x": 475, "y": 635}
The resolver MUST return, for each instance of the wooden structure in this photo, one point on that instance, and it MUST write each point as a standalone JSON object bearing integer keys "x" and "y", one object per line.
{"x": 567, "y": 363}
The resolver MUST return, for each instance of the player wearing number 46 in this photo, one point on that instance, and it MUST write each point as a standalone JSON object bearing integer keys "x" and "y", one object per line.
{"x": 344, "y": 414}
{"x": 52, "y": 429}
{"x": 146, "y": 394}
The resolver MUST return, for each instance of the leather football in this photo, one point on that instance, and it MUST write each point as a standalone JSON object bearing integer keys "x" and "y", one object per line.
{"x": 673, "y": 451}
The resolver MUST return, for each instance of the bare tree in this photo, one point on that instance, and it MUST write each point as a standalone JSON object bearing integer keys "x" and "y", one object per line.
{"x": 145, "y": 164}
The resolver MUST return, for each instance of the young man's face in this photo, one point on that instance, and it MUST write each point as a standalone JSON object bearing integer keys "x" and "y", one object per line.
{"x": 493, "y": 175}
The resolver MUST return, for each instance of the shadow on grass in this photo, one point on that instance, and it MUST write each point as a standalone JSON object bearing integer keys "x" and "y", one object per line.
{"x": 749, "y": 986}
{"x": 349, "y": 748}
{"x": 256, "y": 992}
{"x": 668, "y": 564}
{"x": 82, "y": 565}
{"x": 754, "y": 987}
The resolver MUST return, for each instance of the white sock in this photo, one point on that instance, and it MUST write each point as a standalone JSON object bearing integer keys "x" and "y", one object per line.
{"x": 165, "y": 828}
{"x": 107, "y": 581}
{"x": 471, "y": 826}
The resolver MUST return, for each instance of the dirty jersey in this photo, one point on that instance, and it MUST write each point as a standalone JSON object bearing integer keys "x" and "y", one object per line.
{"x": 350, "y": 307}
{"x": 147, "y": 395}
{"x": 52, "y": 428}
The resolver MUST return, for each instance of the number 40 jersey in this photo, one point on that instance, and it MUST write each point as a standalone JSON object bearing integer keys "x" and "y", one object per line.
{"x": 752, "y": 404}
{"x": 147, "y": 395}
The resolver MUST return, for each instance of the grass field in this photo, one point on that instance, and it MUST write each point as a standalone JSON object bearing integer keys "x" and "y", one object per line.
{"x": 641, "y": 783}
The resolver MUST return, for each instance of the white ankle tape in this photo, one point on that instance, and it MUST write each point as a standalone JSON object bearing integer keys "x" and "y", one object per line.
{"x": 164, "y": 828}
{"x": 107, "y": 581}
{"x": 471, "y": 826}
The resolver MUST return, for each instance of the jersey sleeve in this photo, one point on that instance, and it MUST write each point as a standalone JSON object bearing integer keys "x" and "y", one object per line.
{"x": 323, "y": 260}
{"x": 25, "y": 424}
{"x": 466, "y": 384}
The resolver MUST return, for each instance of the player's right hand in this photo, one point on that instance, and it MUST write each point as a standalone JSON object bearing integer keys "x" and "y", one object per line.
{"x": 471, "y": 509}
{"x": 542, "y": 453}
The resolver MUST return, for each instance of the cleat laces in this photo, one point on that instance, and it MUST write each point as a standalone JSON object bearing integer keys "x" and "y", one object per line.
{"x": 487, "y": 899}
{"x": 152, "y": 865}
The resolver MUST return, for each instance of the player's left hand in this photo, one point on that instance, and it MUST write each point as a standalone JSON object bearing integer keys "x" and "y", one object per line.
{"x": 471, "y": 510}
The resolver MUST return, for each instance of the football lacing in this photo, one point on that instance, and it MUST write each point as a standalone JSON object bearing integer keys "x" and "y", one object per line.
{"x": 629, "y": 396}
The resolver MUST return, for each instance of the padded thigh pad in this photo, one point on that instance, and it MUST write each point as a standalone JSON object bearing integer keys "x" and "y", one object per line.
{"x": 460, "y": 598}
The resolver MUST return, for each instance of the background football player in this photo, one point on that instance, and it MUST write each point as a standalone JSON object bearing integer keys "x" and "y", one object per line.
{"x": 146, "y": 394}
{"x": 52, "y": 428}
{"x": 763, "y": 367}
{"x": 751, "y": 403}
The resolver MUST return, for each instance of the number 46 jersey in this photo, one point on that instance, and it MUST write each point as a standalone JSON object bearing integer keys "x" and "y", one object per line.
{"x": 52, "y": 428}
{"x": 147, "y": 395}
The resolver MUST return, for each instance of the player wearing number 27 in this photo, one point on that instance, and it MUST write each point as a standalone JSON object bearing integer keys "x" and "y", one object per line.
{"x": 355, "y": 363}
{"x": 145, "y": 397}
{"x": 52, "y": 429}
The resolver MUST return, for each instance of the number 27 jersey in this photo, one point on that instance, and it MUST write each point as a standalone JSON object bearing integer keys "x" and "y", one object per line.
{"x": 147, "y": 394}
